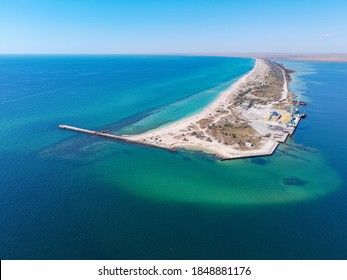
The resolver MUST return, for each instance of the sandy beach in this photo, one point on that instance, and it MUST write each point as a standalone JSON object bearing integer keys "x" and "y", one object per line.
{"x": 233, "y": 125}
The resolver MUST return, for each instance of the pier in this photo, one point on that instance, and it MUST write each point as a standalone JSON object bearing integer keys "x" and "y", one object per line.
{"x": 111, "y": 136}
{"x": 250, "y": 154}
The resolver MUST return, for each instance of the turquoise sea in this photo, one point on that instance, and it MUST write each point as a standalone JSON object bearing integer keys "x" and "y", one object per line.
{"x": 65, "y": 195}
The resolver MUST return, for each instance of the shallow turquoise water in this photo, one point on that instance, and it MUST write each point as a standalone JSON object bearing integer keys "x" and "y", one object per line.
{"x": 67, "y": 196}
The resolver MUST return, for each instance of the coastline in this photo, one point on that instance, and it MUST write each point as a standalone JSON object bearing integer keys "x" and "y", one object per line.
{"x": 315, "y": 57}
{"x": 196, "y": 132}
{"x": 249, "y": 119}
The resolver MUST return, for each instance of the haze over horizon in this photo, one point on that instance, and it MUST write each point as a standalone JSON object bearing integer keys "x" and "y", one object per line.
{"x": 157, "y": 27}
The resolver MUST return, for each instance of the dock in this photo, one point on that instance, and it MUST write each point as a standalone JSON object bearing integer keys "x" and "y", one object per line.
{"x": 111, "y": 136}
{"x": 296, "y": 125}
{"x": 253, "y": 154}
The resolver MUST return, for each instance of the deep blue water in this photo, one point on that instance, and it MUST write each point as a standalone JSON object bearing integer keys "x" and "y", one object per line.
{"x": 69, "y": 196}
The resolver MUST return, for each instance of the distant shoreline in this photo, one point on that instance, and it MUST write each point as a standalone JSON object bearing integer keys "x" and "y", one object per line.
{"x": 319, "y": 57}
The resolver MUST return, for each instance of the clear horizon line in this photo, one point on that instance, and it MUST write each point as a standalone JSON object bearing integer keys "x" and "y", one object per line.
{"x": 185, "y": 53}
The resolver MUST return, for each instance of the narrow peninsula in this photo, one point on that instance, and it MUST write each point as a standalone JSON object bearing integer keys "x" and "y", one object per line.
{"x": 249, "y": 119}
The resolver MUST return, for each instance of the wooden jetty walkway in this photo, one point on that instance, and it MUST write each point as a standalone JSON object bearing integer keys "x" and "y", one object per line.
{"x": 111, "y": 136}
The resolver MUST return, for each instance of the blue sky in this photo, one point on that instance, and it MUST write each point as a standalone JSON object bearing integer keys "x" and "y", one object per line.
{"x": 149, "y": 26}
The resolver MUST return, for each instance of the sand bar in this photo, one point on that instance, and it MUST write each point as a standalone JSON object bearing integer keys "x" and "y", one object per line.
{"x": 248, "y": 119}
{"x": 233, "y": 125}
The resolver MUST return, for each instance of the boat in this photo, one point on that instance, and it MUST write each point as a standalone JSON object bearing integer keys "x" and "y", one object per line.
{"x": 296, "y": 102}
